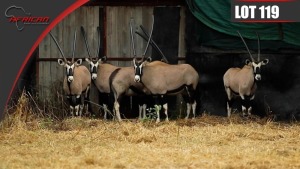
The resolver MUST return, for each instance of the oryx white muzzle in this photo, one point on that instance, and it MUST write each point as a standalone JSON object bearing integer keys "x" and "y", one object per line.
{"x": 137, "y": 78}
{"x": 94, "y": 76}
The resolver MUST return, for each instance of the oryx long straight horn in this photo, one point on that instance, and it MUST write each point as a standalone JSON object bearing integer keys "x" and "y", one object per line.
{"x": 258, "y": 47}
{"x": 146, "y": 49}
{"x": 59, "y": 48}
{"x": 85, "y": 41}
{"x": 246, "y": 46}
{"x": 152, "y": 43}
{"x": 74, "y": 45}
{"x": 99, "y": 41}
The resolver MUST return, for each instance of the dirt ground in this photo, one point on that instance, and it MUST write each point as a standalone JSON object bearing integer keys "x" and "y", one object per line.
{"x": 205, "y": 142}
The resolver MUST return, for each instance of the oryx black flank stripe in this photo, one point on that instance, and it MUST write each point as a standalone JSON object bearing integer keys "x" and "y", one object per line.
{"x": 234, "y": 92}
{"x": 112, "y": 76}
{"x": 136, "y": 90}
{"x": 176, "y": 90}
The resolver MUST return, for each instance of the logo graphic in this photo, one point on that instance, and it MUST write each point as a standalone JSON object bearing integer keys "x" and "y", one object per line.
{"x": 20, "y": 17}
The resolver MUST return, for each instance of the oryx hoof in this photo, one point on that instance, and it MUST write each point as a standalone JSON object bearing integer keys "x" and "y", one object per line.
{"x": 157, "y": 121}
{"x": 167, "y": 120}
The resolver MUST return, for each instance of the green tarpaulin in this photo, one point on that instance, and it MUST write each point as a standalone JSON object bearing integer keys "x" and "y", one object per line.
{"x": 216, "y": 15}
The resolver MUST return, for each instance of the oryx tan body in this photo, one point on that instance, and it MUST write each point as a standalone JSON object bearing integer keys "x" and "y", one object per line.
{"x": 81, "y": 82}
{"x": 240, "y": 81}
{"x": 103, "y": 74}
{"x": 161, "y": 78}
{"x": 164, "y": 79}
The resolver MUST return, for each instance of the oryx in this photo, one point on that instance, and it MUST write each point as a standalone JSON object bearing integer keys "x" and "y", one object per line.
{"x": 77, "y": 80}
{"x": 164, "y": 79}
{"x": 122, "y": 82}
{"x": 100, "y": 70}
{"x": 242, "y": 81}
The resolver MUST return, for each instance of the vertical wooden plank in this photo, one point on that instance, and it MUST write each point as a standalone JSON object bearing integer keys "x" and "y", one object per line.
{"x": 81, "y": 19}
{"x": 118, "y": 31}
{"x": 110, "y": 13}
{"x": 44, "y": 52}
{"x": 55, "y": 70}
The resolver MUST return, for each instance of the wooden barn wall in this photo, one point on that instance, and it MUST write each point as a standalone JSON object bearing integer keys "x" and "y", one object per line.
{"x": 118, "y": 31}
{"x": 50, "y": 73}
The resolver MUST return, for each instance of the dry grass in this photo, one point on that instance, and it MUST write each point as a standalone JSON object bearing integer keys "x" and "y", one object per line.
{"x": 206, "y": 142}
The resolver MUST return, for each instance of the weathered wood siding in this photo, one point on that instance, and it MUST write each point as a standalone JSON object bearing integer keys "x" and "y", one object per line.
{"x": 118, "y": 31}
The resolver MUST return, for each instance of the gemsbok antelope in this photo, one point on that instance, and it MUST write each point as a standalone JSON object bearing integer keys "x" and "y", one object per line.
{"x": 100, "y": 70}
{"x": 122, "y": 83}
{"x": 242, "y": 81}
{"x": 161, "y": 78}
{"x": 77, "y": 81}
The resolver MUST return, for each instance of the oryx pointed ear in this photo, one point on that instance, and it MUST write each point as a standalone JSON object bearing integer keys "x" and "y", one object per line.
{"x": 103, "y": 59}
{"x": 264, "y": 62}
{"x": 78, "y": 62}
{"x": 247, "y": 61}
{"x": 149, "y": 59}
{"x": 61, "y": 62}
{"x": 88, "y": 60}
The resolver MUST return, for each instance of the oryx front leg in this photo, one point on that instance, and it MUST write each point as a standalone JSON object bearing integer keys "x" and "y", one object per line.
{"x": 142, "y": 111}
{"x": 229, "y": 101}
{"x": 72, "y": 110}
{"x": 194, "y": 109}
{"x": 77, "y": 110}
{"x": 188, "y": 106}
{"x": 117, "y": 110}
{"x": 165, "y": 106}
{"x": 157, "y": 110}
{"x": 81, "y": 109}
{"x": 244, "y": 105}
{"x": 105, "y": 109}
{"x": 250, "y": 105}
{"x": 87, "y": 100}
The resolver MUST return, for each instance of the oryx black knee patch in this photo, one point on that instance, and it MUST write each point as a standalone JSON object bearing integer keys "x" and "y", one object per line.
{"x": 246, "y": 103}
{"x": 74, "y": 101}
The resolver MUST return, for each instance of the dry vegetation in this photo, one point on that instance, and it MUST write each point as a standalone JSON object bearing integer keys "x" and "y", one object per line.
{"x": 30, "y": 141}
